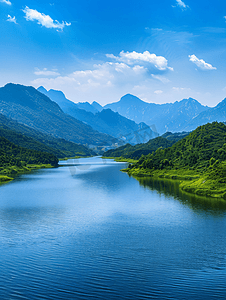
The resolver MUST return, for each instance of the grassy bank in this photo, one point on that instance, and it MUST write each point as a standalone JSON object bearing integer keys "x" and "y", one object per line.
{"x": 10, "y": 172}
{"x": 211, "y": 183}
{"x": 121, "y": 159}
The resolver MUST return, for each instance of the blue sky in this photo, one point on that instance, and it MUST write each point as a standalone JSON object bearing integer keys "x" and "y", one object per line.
{"x": 161, "y": 51}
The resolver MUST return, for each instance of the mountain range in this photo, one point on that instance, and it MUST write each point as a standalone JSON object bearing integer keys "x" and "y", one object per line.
{"x": 47, "y": 120}
{"x": 184, "y": 115}
{"x": 164, "y": 117}
{"x": 217, "y": 113}
{"x": 34, "y": 109}
{"x": 105, "y": 120}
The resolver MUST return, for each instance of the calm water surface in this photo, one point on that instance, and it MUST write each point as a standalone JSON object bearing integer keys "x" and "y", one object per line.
{"x": 88, "y": 231}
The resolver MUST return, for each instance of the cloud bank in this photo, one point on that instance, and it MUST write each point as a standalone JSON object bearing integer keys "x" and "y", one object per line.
{"x": 42, "y": 19}
{"x": 200, "y": 63}
{"x": 46, "y": 72}
{"x": 131, "y": 58}
{"x": 6, "y": 2}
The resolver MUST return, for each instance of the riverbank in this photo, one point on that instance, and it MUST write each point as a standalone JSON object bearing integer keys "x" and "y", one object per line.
{"x": 121, "y": 159}
{"x": 9, "y": 173}
{"x": 211, "y": 183}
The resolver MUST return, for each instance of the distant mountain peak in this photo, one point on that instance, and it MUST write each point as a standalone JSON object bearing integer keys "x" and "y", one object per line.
{"x": 42, "y": 89}
{"x": 130, "y": 99}
{"x": 97, "y": 106}
{"x": 221, "y": 104}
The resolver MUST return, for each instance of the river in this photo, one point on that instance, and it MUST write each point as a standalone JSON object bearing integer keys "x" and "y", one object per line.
{"x": 86, "y": 230}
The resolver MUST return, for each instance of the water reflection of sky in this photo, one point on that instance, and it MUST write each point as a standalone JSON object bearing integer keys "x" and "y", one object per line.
{"x": 98, "y": 231}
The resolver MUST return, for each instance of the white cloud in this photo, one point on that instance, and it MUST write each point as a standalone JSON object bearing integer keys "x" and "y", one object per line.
{"x": 42, "y": 19}
{"x": 45, "y": 72}
{"x": 179, "y": 89}
{"x": 182, "y": 4}
{"x": 161, "y": 78}
{"x": 102, "y": 82}
{"x": 103, "y": 75}
{"x": 6, "y": 2}
{"x": 158, "y": 92}
{"x": 201, "y": 63}
{"x": 11, "y": 19}
{"x": 146, "y": 58}
{"x": 105, "y": 81}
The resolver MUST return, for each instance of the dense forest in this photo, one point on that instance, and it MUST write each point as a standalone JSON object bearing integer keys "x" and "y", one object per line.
{"x": 14, "y": 159}
{"x": 198, "y": 150}
{"x": 201, "y": 156}
{"x": 10, "y": 154}
{"x": 135, "y": 152}
{"x": 27, "y": 137}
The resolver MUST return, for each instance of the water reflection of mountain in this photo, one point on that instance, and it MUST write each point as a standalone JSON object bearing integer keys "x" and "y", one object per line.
{"x": 171, "y": 188}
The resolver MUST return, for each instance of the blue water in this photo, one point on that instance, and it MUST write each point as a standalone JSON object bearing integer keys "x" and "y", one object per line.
{"x": 88, "y": 231}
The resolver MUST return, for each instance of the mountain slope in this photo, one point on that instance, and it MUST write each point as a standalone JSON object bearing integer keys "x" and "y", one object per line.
{"x": 105, "y": 121}
{"x": 165, "y": 117}
{"x": 29, "y": 138}
{"x": 135, "y": 152}
{"x": 64, "y": 103}
{"x": 97, "y": 106}
{"x": 11, "y": 154}
{"x": 217, "y": 113}
{"x": 195, "y": 150}
{"x": 198, "y": 161}
{"x": 30, "y": 107}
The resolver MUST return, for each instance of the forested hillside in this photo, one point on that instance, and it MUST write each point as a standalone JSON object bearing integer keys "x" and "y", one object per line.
{"x": 200, "y": 156}
{"x": 207, "y": 142}
{"x": 15, "y": 159}
{"x": 135, "y": 152}
{"x": 27, "y": 137}
{"x": 14, "y": 155}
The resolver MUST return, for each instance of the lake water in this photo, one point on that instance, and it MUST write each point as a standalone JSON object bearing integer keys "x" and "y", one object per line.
{"x": 88, "y": 231}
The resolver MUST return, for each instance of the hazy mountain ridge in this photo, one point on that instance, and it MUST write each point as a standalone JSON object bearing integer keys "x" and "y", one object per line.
{"x": 166, "y": 117}
{"x": 32, "y": 108}
{"x": 105, "y": 121}
{"x": 135, "y": 152}
{"x": 217, "y": 113}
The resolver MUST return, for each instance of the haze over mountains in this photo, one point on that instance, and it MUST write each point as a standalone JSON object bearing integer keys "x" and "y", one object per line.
{"x": 166, "y": 117}
{"x": 184, "y": 115}
{"x": 32, "y": 108}
{"x": 217, "y": 113}
{"x": 105, "y": 120}
{"x": 48, "y": 121}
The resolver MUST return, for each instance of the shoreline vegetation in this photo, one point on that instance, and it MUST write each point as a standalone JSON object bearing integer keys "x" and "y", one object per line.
{"x": 197, "y": 161}
{"x": 16, "y": 160}
{"x": 208, "y": 184}
{"x": 9, "y": 173}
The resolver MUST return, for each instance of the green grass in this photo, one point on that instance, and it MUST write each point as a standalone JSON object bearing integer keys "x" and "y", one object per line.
{"x": 5, "y": 178}
{"x": 211, "y": 183}
{"x": 122, "y": 159}
{"x": 75, "y": 157}
{"x": 10, "y": 172}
